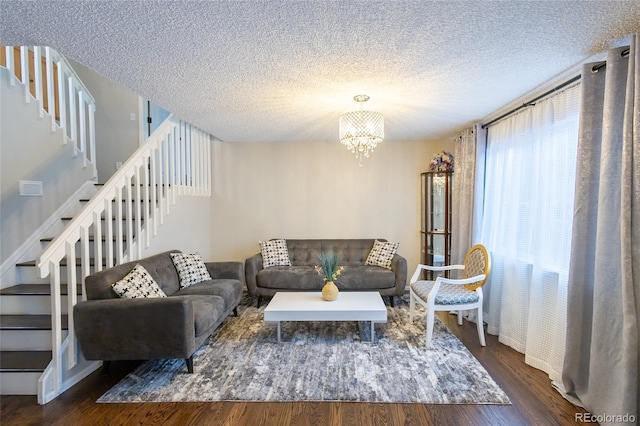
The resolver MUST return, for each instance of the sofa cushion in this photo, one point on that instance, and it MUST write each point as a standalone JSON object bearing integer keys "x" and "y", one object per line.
{"x": 191, "y": 269}
{"x": 306, "y": 278}
{"x": 274, "y": 253}
{"x": 352, "y": 252}
{"x": 138, "y": 283}
{"x": 382, "y": 253}
{"x": 207, "y": 310}
{"x": 230, "y": 291}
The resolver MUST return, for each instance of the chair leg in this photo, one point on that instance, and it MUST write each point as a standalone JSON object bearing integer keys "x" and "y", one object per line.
{"x": 480, "y": 327}
{"x": 412, "y": 306}
{"x": 430, "y": 320}
{"x": 189, "y": 362}
{"x": 259, "y": 302}
{"x": 459, "y": 317}
{"x": 392, "y": 302}
{"x": 235, "y": 311}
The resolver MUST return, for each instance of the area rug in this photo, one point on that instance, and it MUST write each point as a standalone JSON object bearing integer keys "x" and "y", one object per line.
{"x": 319, "y": 361}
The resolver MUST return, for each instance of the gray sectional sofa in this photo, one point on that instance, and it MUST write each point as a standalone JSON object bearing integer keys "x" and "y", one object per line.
{"x": 301, "y": 275}
{"x": 112, "y": 328}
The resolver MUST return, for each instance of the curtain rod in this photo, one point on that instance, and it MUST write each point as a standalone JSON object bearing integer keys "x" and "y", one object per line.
{"x": 532, "y": 102}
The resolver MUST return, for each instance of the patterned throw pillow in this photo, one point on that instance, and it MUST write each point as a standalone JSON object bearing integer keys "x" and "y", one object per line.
{"x": 274, "y": 253}
{"x": 191, "y": 269}
{"x": 138, "y": 284}
{"x": 382, "y": 253}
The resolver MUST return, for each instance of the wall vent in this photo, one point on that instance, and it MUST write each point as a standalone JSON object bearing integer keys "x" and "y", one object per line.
{"x": 31, "y": 188}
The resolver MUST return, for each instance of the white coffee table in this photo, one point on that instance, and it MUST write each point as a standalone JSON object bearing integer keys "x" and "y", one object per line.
{"x": 309, "y": 306}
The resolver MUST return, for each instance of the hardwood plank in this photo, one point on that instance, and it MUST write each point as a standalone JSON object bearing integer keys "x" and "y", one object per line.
{"x": 534, "y": 401}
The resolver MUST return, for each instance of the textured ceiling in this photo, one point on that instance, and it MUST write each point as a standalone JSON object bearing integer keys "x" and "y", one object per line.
{"x": 285, "y": 70}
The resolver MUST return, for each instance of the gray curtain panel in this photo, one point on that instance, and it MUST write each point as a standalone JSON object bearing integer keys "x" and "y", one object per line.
{"x": 602, "y": 356}
{"x": 468, "y": 190}
{"x": 463, "y": 195}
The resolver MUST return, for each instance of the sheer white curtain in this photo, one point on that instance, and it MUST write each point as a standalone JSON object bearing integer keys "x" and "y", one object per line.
{"x": 526, "y": 225}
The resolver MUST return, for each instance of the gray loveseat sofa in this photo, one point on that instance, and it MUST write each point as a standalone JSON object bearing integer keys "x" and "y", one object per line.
{"x": 302, "y": 276}
{"x": 112, "y": 328}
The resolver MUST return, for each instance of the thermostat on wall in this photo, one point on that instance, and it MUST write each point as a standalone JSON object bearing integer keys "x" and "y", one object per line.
{"x": 31, "y": 188}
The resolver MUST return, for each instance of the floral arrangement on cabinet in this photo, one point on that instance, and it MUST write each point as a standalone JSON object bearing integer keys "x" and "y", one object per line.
{"x": 441, "y": 162}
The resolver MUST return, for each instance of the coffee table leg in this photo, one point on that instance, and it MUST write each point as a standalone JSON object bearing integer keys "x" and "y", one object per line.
{"x": 279, "y": 338}
{"x": 373, "y": 336}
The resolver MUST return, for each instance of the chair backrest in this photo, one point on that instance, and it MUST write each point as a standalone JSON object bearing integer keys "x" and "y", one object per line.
{"x": 476, "y": 262}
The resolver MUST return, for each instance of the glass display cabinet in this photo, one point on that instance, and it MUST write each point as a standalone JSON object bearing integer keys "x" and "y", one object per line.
{"x": 436, "y": 220}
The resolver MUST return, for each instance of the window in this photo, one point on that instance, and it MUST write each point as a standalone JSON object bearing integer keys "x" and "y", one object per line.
{"x": 526, "y": 225}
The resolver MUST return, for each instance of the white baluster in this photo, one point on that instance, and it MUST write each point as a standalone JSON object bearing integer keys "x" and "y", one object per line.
{"x": 37, "y": 78}
{"x": 97, "y": 240}
{"x": 174, "y": 163}
{"x": 10, "y": 64}
{"x": 118, "y": 221}
{"x": 92, "y": 139}
{"x": 82, "y": 127}
{"x": 24, "y": 71}
{"x": 159, "y": 188}
{"x": 165, "y": 173}
{"x": 56, "y": 324}
{"x": 73, "y": 126}
{"x": 129, "y": 206}
{"x": 108, "y": 211}
{"x": 147, "y": 201}
{"x": 62, "y": 102}
{"x": 138, "y": 213}
{"x": 183, "y": 158}
{"x": 152, "y": 173}
{"x": 51, "y": 98}
{"x": 209, "y": 169}
{"x": 71, "y": 302}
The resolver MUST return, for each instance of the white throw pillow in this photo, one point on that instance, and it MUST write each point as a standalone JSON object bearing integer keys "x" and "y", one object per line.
{"x": 382, "y": 253}
{"x": 138, "y": 283}
{"x": 274, "y": 253}
{"x": 191, "y": 269}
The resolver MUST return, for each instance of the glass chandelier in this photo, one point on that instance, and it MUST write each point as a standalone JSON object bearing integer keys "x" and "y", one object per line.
{"x": 361, "y": 131}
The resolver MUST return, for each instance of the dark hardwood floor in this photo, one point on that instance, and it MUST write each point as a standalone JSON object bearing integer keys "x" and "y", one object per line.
{"x": 534, "y": 402}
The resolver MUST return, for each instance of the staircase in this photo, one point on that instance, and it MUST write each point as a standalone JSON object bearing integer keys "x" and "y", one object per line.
{"x": 103, "y": 226}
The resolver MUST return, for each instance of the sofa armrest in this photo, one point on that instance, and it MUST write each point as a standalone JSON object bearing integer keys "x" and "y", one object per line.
{"x": 399, "y": 268}
{"x": 114, "y": 329}
{"x": 251, "y": 267}
{"x": 228, "y": 270}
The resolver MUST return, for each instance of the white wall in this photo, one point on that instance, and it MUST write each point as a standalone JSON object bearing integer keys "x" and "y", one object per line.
{"x": 316, "y": 190}
{"x": 117, "y": 136}
{"x": 30, "y": 151}
{"x": 186, "y": 228}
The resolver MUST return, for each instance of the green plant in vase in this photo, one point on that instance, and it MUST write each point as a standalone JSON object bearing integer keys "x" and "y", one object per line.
{"x": 329, "y": 269}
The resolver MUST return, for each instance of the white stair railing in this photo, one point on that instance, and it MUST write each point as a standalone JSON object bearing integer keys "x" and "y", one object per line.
{"x": 50, "y": 80}
{"x": 175, "y": 160}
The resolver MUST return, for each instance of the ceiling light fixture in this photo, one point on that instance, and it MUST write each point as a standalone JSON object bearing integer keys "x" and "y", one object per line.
{"x": 361, "y": 131}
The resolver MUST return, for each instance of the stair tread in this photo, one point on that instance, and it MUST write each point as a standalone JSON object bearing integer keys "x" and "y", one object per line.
{"x": 102, "y": 218}
{"x": 24, "y": 361}
{"x": 91, "y": 238}
{"x": 63, "y": 262}
{"x": 86, "y": 200}
{"x": 29, "y": 322}
{"x": 35, "y": 290}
